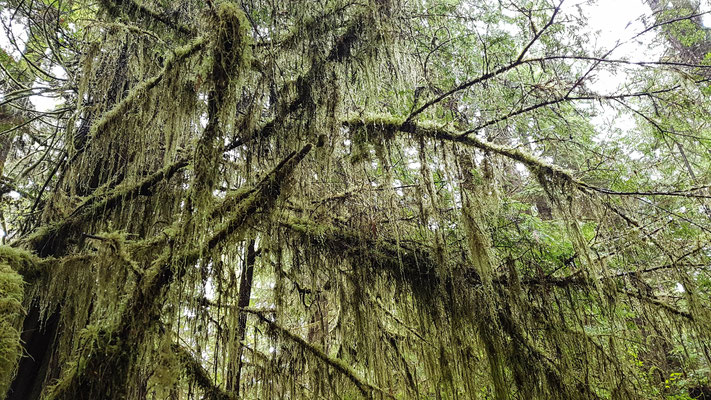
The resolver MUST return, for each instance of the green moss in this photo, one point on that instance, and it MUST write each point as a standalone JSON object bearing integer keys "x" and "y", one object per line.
{"x": 11, "y": 314}
{"x": 24, "y": 262}
{"x": 116, "y": 242}
{"x": 140, "y": 91}
{"x": 95, "y": 341}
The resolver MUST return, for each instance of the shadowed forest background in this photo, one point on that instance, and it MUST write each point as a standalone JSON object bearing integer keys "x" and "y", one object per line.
{"x": 339, "y": 199}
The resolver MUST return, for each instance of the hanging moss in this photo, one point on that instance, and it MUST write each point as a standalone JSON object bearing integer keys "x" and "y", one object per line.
{"x": 141, "y": 90}
{"x": 201, "y": 377}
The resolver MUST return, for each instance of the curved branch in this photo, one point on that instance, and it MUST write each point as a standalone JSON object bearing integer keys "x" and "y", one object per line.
{"x": 519, "y": 61}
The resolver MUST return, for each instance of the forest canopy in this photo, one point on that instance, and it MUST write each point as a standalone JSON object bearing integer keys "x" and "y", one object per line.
{"x": 344, "y": 199}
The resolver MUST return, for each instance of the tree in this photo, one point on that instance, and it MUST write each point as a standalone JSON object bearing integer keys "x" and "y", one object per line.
{"x": 379, "y": 199}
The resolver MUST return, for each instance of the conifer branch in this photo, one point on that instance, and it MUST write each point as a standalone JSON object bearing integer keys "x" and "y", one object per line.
{"x": 140, "y": 90}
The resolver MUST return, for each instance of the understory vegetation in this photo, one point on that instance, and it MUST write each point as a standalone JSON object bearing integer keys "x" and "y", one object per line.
{"x": 381, "y": 199}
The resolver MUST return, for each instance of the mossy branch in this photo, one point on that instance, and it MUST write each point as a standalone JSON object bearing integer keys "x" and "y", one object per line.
{"x": 414, "y": 265}
{"x": 337, "y": 364}
{"x": 120, "y": 109}
{"x": 581, "y": 282}
{"x": 139, "y": 91}
{"x": 262, "y": 197}
{"x": 390, "y": 125}
{"x": 264, "y": 194}
{"x": 657, "y": 303}
{"x": 23, "y": 262}
{"x": 45, "y": 241}
{"x": 132, "y": 28}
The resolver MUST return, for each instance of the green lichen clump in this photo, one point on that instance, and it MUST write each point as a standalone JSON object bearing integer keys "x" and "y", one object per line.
{"x": 11, "y": 313}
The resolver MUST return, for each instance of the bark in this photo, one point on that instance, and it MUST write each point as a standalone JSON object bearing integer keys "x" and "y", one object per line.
{"x": 39, "y": 336}
{"x": 245, "y": 292}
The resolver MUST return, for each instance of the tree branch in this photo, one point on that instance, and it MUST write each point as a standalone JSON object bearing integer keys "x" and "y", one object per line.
{"x": 519, "y": 61}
